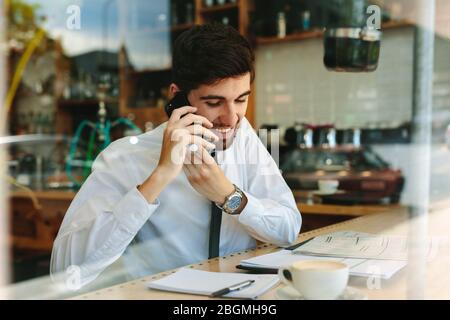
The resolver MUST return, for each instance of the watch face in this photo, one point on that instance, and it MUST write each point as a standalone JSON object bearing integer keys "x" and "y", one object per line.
{"x": 234, "y": 202}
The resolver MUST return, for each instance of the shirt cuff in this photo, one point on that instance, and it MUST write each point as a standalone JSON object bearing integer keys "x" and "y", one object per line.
{"x": 252, "y": 209}
{"x": 133, "y": 210}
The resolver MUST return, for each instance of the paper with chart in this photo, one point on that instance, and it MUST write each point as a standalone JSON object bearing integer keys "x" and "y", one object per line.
{"x": 351, "y": 244}
{"x": 201, "y": 282}
{"x": 384, "y": 269}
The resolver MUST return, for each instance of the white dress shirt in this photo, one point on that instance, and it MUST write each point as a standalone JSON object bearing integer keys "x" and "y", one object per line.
{"x": 109, "y": 218}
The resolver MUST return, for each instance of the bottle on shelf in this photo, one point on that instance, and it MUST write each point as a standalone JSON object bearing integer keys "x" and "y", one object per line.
{"x": 66, "y": 92}
{"x": 189, "y": 12}
{"x": 38, "y": 123}
{"x": 162, "y": 99}
{"x": 356, "y": 138}
{"x": 225, "y": 20}
{"x": 151, "y": 98}
{"x": 174, "y": 14}
{"x": 27, "y": 169}
{"x": 306, "y": 20}
{"x": 208, "y": 3}
{"x": 30, "y": 122}
{"x": 281, "y": 25}
{"x": 89, "y": 90}
{"x": 80, "y": 85}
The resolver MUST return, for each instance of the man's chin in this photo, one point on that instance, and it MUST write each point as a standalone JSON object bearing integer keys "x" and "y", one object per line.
{"x": 227, "y": 140}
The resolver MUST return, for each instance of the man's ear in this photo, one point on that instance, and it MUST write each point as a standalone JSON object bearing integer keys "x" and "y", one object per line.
{"x": 173, "y": 88}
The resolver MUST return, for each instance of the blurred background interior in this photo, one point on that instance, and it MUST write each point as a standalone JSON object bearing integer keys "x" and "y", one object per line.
{"x": 81, "y": 74}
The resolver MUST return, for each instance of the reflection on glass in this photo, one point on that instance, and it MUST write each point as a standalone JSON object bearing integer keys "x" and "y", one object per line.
{"x": 83, "y": 86}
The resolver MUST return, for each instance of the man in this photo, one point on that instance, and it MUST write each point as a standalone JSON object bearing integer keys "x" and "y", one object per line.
{"x": 150, "y": 199}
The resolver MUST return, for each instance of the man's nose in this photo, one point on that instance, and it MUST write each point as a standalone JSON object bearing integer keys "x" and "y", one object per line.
{"x": 228, "y": 115}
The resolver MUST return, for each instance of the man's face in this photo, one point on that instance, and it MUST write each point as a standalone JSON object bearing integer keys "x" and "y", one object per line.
{"x": 224, "y": 104}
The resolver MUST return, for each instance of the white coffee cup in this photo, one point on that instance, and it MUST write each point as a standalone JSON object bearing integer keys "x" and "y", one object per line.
{"x": 329, "y": 186}
{"x": 316, "y": 279}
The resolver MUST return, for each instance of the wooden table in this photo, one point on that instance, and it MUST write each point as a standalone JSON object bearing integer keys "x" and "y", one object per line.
{"x": 395, "y": 223}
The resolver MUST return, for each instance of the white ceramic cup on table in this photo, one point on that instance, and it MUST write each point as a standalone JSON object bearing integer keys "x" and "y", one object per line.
{"x": 328, "y": 186}
{"x": 316, "y": 279}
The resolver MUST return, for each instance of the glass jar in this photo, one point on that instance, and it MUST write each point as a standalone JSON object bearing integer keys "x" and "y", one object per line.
{"x": 349, "y": 44}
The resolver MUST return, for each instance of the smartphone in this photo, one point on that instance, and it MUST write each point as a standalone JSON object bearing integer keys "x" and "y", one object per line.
{"x": 179, "y": 100}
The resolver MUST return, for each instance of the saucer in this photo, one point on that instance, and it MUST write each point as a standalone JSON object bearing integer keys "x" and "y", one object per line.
{"x": 289, "y": 293}
{"x": 326, "y": 193}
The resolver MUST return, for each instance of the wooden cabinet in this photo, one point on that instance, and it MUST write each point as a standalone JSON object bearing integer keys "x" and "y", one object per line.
{"x": 317, "y": 215}
{"x": 34, "y": 225}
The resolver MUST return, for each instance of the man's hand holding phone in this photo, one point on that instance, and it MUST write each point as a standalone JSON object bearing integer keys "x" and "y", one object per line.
{"x": 184, "y": 128}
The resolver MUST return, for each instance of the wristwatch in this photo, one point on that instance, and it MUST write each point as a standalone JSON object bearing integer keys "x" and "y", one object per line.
{"x": 233, "y": 201}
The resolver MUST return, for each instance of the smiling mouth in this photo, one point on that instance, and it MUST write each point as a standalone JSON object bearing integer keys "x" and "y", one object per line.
{"x": 223, "y": 133}
{"x": 223, "y": 130}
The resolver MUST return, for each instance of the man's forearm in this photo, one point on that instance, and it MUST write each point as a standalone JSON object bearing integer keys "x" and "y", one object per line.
{"x": 154, "y": 185}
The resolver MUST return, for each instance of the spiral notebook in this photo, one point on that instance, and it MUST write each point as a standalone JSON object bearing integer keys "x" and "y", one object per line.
{"x": 200, "y": 282}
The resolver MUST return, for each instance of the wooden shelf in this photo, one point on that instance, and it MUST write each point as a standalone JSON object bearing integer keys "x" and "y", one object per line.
{"x": 67, "y": 195}
{"x": 182, "y": 27}
{"x": 148, "y": 71}
{"x": 318, "y": 208}
{"x": 83, "y": 102}
{"x": 396, "y": 24}
{"x": 214, "y": 9}
{"x": 141, "y": 107}
{"x": 291, "y": 37}
{"x": 28, "y": 243}
{"x": 341, "y": 210}
{"x": 305, "y": 35}
{"x": 165, "y": 29}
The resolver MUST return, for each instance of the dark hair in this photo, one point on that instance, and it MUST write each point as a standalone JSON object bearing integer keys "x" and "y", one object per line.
{"x": 208, "y": 53}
